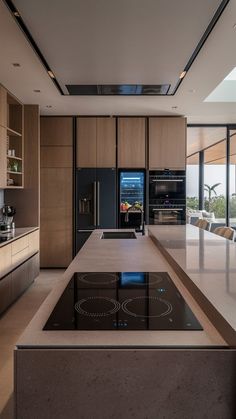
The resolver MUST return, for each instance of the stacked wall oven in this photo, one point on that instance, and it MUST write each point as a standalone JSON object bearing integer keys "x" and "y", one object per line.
{"x": 95, "y": 202}
{"x": 167, "y": 197}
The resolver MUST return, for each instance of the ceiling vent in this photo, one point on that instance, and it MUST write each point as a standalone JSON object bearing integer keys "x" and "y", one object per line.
{"x": 117, "y": 89}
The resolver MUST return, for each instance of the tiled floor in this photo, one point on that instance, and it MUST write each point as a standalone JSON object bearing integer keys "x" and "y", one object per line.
{"x": 12, "y": 324}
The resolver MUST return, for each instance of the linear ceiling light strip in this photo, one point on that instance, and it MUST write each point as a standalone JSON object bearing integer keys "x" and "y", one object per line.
{"x": 32, "y": 42}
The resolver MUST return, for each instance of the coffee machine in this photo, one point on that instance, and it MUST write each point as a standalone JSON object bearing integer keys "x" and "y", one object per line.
{"x": 8, "y": 213}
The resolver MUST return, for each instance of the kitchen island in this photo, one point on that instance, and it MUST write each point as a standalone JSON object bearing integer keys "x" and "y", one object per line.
{"x": 120, "y": 373}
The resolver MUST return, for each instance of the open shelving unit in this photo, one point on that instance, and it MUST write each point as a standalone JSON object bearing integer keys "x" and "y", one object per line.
{"x": 12, "y": 141}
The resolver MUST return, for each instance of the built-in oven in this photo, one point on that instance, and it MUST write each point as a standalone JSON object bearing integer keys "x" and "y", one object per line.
{"x": 167, "y": 184}
{"x": 171, "y": 214}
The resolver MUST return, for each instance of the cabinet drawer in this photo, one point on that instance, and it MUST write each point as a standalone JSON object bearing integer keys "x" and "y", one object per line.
{"x": 5, "y": 259}
{"x": 33, "y": 242}
{"x": 20, "y": 280}
{"x": 20, "y": 257}
{"x": 19, "y": 245}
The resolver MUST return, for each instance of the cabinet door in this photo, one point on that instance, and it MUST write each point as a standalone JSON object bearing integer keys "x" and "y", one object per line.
{"x": 56, "y": 131}
{"x": 106, "y": 142}
{"x": 33, "y": 267}
{"x": 167, "y": 143}
{"x": 56, "y": 217}
{"x": 131, "y": 143}
{"x": 5, "y": 292}
{"x": 20, "y": 280}
{"x": 86, "y": 142}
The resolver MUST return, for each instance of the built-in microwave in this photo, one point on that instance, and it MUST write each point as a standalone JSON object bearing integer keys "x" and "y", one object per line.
{"x": 167, "y": 184}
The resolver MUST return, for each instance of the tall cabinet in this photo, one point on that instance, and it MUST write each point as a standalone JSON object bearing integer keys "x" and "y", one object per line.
{"x": 95, "y": 176}
{"x": 132, "y": 142}
{"x": 56, "y": 191}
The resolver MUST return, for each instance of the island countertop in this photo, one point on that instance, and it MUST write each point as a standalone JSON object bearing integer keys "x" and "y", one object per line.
{"x": 110, "y": 255}
{"x": 209, "y": 261}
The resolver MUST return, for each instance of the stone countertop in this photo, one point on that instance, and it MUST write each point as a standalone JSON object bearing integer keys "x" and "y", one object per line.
{"x": 208, "y": 260}
{"x": 108, "y": 256}
{"x": 16, "y": 234}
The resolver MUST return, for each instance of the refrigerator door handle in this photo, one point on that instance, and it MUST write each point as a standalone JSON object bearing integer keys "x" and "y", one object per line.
{"x": 98, "y": 203}
{"x": 95, "y": 204}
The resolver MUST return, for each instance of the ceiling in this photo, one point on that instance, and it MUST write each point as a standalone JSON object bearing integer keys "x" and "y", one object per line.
{"x": 105, "y": 41}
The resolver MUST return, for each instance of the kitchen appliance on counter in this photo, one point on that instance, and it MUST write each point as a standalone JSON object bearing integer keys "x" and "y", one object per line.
{"x": 8, "y": 213}
{"x": 122, "y": 301}
{"x": 131, "y": 199}
{"x": 95, "y": 202}
{"x": 167, "y": 197}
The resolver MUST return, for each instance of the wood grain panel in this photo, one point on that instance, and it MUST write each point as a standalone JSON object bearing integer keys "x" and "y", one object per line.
{"x": 26, "y": 200}
{"x": 5, "y": 258}
{"x": 199, "y": 138}
{"x": 33, "y": 242}
{"x": 56, "y": 248}
{"x": 3, "y": 159}
{"x": 167, "y": 143}
{"x": 56, "y": 156}
{"x": 56, "y": 188}
{"x": 56, "y": 130}
{"x": 106, "y": 142}
{"x": 86, "y": 142}
{"x": 3, "y": 107}
{"x": 19, "y": 245}
{"x": 131, "y": 142}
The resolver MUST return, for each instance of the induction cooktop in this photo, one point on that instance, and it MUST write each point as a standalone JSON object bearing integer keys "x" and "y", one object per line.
{"x": 122, "y": 301}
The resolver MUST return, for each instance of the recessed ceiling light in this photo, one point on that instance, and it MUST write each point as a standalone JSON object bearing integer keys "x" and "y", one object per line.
{"x": 37, "y": 90}
{"x": 48, "y": 106}
{"x": 51, "y": 74}
{"x": 192, "y": 91}
{"x": 16, "y": 64}
{"x": 183, "y": 74}
{"x": 174, "y": 107}
{"x": 234, "y": 27}
{"x": 17, "y": 14}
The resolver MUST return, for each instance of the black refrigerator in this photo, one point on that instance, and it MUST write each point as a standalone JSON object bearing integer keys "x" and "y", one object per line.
{"x": 131, "y": 193}
{"x": 95, "y": 202}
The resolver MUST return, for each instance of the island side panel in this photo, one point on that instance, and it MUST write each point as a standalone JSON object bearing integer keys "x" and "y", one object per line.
{"x": 117, "y": 384}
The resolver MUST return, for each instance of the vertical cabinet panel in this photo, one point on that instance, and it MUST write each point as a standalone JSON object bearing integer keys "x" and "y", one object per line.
{"x": 86, "y": 142}
{"x": 96, "y": 142}
{"x": 131, "y": 142}
{"x": 5, "y": 259}
{"x": 56, "y": 191}
{"x": 3, "y": 159}
{"x": 167, "y": 143}
{"x": 3, "y": 108}
{"x": 5, "y": 292}
{"x": 106, "y": 142}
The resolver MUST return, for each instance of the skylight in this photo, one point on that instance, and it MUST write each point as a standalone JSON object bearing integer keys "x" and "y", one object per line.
{"x": 225, "y": 91}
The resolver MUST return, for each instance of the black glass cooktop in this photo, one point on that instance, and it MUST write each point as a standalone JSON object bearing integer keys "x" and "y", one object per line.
{"x": 122, "y": 301}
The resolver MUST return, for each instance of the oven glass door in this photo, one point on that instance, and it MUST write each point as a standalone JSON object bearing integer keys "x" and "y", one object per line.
{"x": 167, "y": 188}
{"x": 167, "y": 216}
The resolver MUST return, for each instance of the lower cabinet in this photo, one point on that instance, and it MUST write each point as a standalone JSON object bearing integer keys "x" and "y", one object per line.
{"x": 5, "y": 292}
{"x": 15, "y": 283}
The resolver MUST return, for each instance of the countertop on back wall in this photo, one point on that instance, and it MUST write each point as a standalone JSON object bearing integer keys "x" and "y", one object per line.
{"x": 16, "y": 234}
{"x": 110, "y": 255}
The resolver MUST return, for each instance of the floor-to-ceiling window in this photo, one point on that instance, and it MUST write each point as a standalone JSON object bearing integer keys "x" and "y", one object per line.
{"x": 215, "y": 181}
{"x": 192, "y": 181}
{"x": 232, "y": 178}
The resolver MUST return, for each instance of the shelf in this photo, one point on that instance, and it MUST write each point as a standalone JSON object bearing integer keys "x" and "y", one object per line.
{"x": 14, "y": 157}
{"x": 14, "y": 173}
{"x": 12, "y": 132}
{"x": 14, "y": 187}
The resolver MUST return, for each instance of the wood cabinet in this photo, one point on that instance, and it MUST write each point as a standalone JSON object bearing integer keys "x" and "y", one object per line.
{"x": 56, "y": 192}
{"x": 19, "y": 267}
{"x": 96, "y": 142}
{"x": 131, "y": 142}
{"x": 11, "y": 141}
{"x": 167, "y": 143}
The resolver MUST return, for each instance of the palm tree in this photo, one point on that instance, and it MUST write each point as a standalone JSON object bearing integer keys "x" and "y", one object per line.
{"x": 210, "y": 189}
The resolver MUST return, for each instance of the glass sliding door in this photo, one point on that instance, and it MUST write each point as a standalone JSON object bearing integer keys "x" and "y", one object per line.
{"x": 232, "y": 179}
{"x": 192, "y": 182}
{"x": 215, "y": 183}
